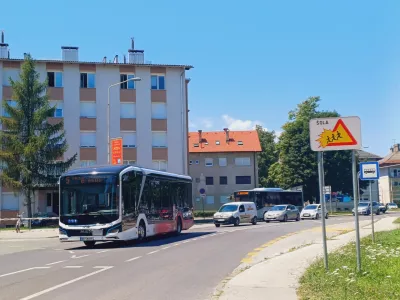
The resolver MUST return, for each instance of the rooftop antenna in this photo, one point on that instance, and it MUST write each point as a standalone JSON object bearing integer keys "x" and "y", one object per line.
{"x": 394, "y": 141}
{"x": 2, "y": 37}
{"x": 133, "y": 43}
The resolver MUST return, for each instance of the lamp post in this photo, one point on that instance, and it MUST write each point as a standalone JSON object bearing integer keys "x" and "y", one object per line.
{"x": 108, "y": 113}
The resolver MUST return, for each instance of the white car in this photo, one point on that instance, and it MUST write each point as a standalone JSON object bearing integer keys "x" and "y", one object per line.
{"x": 312, "y": 211}
{"x": 392, "y": 206}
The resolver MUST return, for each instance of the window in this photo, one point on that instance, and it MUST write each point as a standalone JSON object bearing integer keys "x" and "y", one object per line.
{"x": 87, "y": 163}
{"x": 159, "y": 139}
{"x": 10, "y": 202}
{"x": 58, "y": 113}
{"x": 157, "y": 82}
{"x": 127, "y": 110}
{"x": 88, "y": 109}
{"x": 190, "y": 162}
{"x": 223, "y": 199}
{"x": 55, "y": 79}
{"x": 48, "y": 199}
{"x": 197, "y": 162}
{"x": 242, "y": 161}
{"x": 210, "y": 199}
{"x": 159, "y": 111}
{"x": 240, "y": 143}
{"x": 243, "y": 179}
{"x": 209, "y": 162}
{"x": 160, "y": 165}
{"x": 7, "y": 73}
{"x": 222, "y": 161}
{"x": 88, "y": 80}
{"x": 129, "y": 162}
{"x": 88, "y": 139}
{"x": 130, "y": 85}
{"x": 13, "y": 104}
{"x": 209, "y": 180}
{"x": 223, "y": 180}
{"x": 217, "y": 143}
{"x": 129, "y": 139}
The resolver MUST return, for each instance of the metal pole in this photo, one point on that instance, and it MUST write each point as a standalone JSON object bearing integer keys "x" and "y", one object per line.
{"x": 330, "y": 198}
{"x": 355, "y": 196}
{"x": 108, "y": 125}
{"x": 372, "y": 212}
{"x": 202, "y": 198}
{"x": 322, "y": 200}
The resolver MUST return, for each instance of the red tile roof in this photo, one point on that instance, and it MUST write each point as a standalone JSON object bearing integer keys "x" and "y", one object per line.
{"x": 215, "y": 141}
{"x": 393, "y": 158}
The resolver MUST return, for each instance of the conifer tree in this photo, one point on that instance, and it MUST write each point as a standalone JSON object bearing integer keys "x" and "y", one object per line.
{"x": 30, "y": 145}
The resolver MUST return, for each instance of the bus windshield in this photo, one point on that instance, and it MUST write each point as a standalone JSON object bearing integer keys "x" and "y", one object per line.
{"x": 228, "y": 208}
{"x": 89, "y": 199}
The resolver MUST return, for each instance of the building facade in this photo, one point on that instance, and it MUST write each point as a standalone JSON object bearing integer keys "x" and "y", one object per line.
{"x": 221, "y": 163}
{"x": 151, "y": 115}
{"x": 389, "y": 181}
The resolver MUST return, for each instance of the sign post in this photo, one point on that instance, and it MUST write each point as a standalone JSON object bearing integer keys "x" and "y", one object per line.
{"x": 116, "y": 151}
{"x": 370, "y": 171}
{"x": 335, "y": 134}
{"x": 202, "y": 192}
{"x": 328, "y": 190}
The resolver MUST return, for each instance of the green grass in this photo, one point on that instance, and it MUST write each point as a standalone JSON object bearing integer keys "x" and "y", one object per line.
{"x": 338, "y": 213}
{"x": 206, "y": 214}
{"x": 397, "y": 221}
{"x": 379, "y": 278}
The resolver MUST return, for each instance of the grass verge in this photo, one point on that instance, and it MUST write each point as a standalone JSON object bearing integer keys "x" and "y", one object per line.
{"x": 397, "y": 221}
{"x": 379, "y": 278}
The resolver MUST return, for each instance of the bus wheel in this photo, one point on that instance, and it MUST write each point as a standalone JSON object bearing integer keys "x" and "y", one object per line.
{"x": 179, "y": 226}
{"x": 141, "y": 231}
{"x": 89, "y": 244}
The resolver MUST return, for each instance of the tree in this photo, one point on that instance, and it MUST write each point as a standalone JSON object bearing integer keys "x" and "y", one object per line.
{"x": 298, "y": 163}
{"x": 267, "y": 157}
{"x": 31, "y": 146}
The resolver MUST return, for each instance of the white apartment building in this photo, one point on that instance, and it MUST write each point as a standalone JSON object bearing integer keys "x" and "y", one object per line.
{"x": 151, "y": 114}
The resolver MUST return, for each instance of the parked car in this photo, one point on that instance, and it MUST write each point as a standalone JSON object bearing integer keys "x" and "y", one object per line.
{"x": 392, "y": 206}
{"x": 312, "y": 211}
{"x": 383, "y": 208}
{"x": 282, "y": 213}
{"x": 364, "y": 208}
{"x": 44, "y": 222}
{"x": 236, "y": 213}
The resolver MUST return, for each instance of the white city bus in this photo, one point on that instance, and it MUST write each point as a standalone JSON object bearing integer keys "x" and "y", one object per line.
{"x": 120, "y": 203}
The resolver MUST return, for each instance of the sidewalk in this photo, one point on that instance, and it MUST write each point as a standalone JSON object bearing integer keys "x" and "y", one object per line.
{"x": 28, "y": 234}
{"x": 273, "y": 270}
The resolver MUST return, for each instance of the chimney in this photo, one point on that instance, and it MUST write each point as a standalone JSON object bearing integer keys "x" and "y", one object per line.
{"x": 135, "y": 56}
{"x": 105, "y": 59}
{"x": 396, "y": 148}
{"x": 200, "y": 136}
{"x": 116, "y": 59}
{"x": 124, "y": 59}
{"x": 227, "y": 134}
{"x": 4, "y": 53}
{"x": 69, "y": 53}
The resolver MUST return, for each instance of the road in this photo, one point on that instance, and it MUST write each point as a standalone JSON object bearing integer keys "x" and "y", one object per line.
{"x": 188, "y": 266}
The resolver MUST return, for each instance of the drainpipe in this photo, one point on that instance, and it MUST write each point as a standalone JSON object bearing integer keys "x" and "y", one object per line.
{"x": 255, "y": 171}
{"x": 182, "y": 121}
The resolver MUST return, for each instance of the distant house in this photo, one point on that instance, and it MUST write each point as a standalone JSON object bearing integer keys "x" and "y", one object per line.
{"x": 389, "y": 181}
{"x": 221, "y": 162}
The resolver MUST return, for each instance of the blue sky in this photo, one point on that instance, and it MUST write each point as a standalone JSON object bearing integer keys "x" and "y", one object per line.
{"x": 253, "y": 60}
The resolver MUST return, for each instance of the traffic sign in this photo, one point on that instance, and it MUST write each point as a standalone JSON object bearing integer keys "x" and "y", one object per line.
{"x": 333, "y": 134}
{"x": 369, "y": 170}
{"x": 327, "y": 189}
{"x": 202, "y": 191}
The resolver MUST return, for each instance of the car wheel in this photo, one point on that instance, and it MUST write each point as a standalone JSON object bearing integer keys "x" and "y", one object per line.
{"x": 327, "y": 216}
{"x": 254, "y": 222}
{"x": 237, "y": 222}
{"x": 316, "y": 216}
{"x": 298, "y": 217}
{"x": 217, "y": 225}
{"x": 285, "y": 218}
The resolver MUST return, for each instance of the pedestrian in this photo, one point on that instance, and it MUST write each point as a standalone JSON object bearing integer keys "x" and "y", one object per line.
{"x": 18, "y": 225}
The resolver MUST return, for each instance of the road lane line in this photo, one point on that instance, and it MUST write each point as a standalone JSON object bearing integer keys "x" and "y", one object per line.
{"x": 20, "y": 271}
{"x": 165, "y": 248}
{"x": 152, "y": 252}
{"x": 54, "y": 263}
{"x": 187, "y": 241}
{"x": 74, "y": 256}
{"x": 72, "y": 252}
{"x": 175, "y": 245}
{"x": 135, "y": 258}
{"x": 73, "y": 267}
{"x": 102, "y": 251}
{"x": 101, "y": 269}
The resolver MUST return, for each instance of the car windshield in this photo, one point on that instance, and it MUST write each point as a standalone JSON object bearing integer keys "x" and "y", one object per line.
{"x": 311, "y": 207}
{"x": 363, "y": 204}
{"x": 228, "y": 208}
{"x": 278, "y": 208}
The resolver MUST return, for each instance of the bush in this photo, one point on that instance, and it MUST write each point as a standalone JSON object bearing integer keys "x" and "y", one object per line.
{"x": 206, "y": 214}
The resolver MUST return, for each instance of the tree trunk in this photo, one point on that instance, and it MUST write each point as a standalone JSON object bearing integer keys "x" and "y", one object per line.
{"x": 29, "y": 203}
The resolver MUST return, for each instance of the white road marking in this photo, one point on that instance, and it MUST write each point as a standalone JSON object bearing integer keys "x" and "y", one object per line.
{"x": 175, "y": 245}
{"x": 20, "y": 271}
{"x": 135, "y": 258}
{"x": 74, "y": 256}
{"x": 195, "y": 239}
{"x": 187, "y": 241}
{"x": 102, "y": 269}
{"x": 165, "y": 248}
{"x": 72, "y": 252}
{"x": 54, "y": 263}
{"x": 152, "y": 252}
{"x": 73, "y": 267}
{"x": 57, "y": 249}
{"x": 103, "y": 251}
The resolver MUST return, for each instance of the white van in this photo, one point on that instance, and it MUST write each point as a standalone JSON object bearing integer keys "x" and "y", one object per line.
{"x": 236, "y": 213}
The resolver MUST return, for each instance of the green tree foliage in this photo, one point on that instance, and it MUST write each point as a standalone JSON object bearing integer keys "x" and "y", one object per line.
{"x": 31, "y": 146}
{"x": 298, "y": 163}
{"x": 267, "y": 157}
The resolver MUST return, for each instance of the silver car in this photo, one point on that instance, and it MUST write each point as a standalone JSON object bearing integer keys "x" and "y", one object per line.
{"x": 282, "y": 213}
{"x": 364, "y": 208}
{"x": 312, "y": 211}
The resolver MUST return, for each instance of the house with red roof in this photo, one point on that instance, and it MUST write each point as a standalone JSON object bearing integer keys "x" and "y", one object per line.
{"x": 221, "y": 162}
{"x": 389, "y": 180}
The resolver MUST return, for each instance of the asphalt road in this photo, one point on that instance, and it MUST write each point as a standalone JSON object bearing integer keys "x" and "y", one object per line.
{"x": 188, "y": 266}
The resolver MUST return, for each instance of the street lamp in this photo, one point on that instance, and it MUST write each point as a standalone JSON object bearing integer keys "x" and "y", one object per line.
{"x": 108, "y": 113}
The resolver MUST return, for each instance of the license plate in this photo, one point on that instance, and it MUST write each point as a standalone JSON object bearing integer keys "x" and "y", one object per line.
{"x": 87, "y": 238}
{"x": 221, "y": 220}
{"x": 306, "y": 215}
